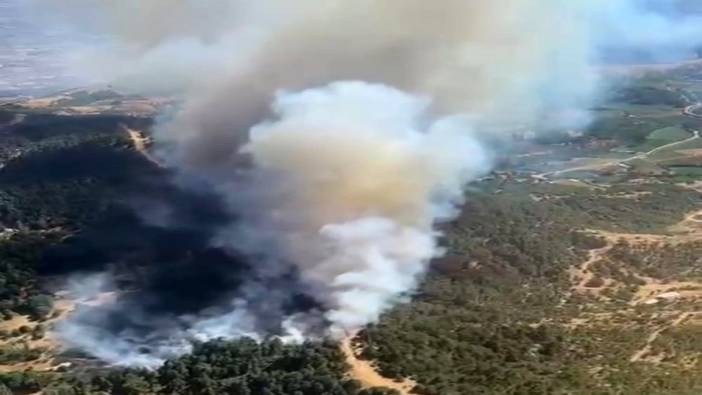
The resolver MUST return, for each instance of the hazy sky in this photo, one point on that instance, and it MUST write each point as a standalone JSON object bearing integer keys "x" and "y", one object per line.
{"x": 33, "y": 56}
{"x": 40, "y": 57}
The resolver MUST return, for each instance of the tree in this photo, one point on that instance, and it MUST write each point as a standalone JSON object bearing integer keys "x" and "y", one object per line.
{"x": 134, "y": 385}
{"x": 61, "y": 389}
{"x": 39, "y": 306}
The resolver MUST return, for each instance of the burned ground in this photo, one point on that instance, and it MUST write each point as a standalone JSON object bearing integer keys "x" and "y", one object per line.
{"x": 551, "y": 282}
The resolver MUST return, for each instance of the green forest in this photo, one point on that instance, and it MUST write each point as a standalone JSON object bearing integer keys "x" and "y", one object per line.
{"x": 497, "y": 314}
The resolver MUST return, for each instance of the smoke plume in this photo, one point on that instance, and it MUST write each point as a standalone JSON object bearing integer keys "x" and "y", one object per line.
{"x": 339, "y": 133}
{"x": 360, "y": 174}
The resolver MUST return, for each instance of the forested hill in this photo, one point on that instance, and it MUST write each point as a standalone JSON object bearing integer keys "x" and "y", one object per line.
{"x": 572, "y": 269}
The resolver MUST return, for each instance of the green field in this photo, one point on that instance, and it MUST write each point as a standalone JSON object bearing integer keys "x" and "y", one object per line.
{"x": 669, "y": 134}
{"x": 687, "y": 170}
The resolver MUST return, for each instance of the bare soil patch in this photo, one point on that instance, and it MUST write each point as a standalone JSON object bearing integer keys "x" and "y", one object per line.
{"x": 47, "y": 343}
{"x": 365, "y": 372}
{"x": 668, "y": 303}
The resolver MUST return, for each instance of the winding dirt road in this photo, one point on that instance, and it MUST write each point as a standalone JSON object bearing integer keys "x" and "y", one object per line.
{"x": 689, "y": 111}
{"x": 646, "y": 350}
{"x": 596, "y": 165}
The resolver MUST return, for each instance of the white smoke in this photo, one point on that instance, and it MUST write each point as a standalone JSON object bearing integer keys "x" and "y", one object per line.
{"x": 93, "y": 295}
{"x": 371, "y": 136}
{"x": 364, "y": 174}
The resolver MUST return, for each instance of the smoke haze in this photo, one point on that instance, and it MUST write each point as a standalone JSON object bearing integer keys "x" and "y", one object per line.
{"x": 339, "y": 133}
{"x": 361, "y": 175}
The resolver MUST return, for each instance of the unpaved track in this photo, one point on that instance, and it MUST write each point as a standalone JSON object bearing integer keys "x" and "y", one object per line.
{"x": 686, "y": 231}
{"x": 601, "y": 164}
{"x": 695, "y": 136}
{"x": 584, "y": 273}
{"x": 365, "y": 372}
{"x": 690, "y": 111}
{"x": 646, "y": 350}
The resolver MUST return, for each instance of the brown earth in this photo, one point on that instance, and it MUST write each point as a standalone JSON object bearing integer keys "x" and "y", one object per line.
{"x": 675, "y": 300}
{"x": 365, "y": 372}
{"x": 48, "y": 343}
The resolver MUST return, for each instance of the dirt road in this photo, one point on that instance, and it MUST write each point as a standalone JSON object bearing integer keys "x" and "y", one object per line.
{"x": 584, "y": 274}
{"x": 646, "y": 350}
{"x": 695, "y": 136}
{"x": 600, "y": 164}
{"x": 365, "y": 372}
{"x": 690, "y": 111}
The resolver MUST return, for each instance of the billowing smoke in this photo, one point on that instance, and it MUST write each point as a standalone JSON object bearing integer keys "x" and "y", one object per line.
{"x": 339, "y": 133}
{"x": 354, "y": 175}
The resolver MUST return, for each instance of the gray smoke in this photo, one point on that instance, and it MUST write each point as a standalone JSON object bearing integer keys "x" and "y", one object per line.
{"x": 341, "y": 132}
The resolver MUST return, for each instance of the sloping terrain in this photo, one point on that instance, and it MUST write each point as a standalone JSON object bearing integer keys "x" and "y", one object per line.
{"x": 578, "y": 276}
{"x": 573, "y": 268}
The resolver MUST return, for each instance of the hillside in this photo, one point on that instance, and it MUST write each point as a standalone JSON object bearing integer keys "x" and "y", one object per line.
{"x": 573, "y": 268}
